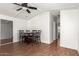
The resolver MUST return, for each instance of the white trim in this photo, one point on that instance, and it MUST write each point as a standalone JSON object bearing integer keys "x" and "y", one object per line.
{"x": 6, "y": 43}
{"x": 78, "y": 51}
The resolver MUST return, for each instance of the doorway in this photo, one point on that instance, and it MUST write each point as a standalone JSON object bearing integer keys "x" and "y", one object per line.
{"x": 6, "y": 32}
{"x": 58, "y": 30}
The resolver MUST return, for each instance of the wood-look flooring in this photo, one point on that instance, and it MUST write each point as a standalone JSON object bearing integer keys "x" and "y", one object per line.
{"x": 36, "y": 49}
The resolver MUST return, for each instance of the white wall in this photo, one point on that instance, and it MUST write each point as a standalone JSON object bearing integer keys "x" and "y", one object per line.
{"x": 6, "y": 29}
{"x": 41, "y": 22}
{"x": 69, "y": 28}
{"x": 18, "y": 24}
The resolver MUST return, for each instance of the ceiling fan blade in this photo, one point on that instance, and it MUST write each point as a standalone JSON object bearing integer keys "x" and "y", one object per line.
{"x": 19, "y": 9}
{"x": 28, "y": 11}
{"x": 17, "y": 4}
{"x": 24, "y": 4}
{"x": 32, "y": 7}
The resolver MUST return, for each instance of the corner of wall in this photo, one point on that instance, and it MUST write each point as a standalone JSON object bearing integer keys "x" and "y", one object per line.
{"x": 78, "y": 51}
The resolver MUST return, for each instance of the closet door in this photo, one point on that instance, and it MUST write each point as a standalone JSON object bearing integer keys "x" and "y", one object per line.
{"x": 6, "y": 31}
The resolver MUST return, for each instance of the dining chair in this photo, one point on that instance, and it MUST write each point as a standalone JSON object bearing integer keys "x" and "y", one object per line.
{"x": 34, "y": 34}
{"x": 21, "y": 33}
{"x": 27, "y": 31}
{"x": 38, "y": 35}
{"x": 34, "y": 31}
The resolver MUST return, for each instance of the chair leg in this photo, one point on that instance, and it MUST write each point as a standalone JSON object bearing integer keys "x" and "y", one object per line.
{"x": 39, "y": 40}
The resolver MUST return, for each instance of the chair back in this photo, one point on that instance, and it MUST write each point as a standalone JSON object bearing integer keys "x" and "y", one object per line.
{"x": 21, "y": 31}
{"x": 27, "y": 31}
{"x": 34, "y": 31}
{"x": 38, "y": 32}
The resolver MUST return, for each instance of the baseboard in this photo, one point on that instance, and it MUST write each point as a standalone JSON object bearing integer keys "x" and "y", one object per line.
{"x": 78, "y": 51}
{"x": 68, "y": 47}
{"x": 45, "y": 42}
{"x": 6, "y": 43}
{"x": 48, "y": 42}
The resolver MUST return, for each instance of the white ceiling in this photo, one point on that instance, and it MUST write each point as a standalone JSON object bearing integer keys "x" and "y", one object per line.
{"x": 10, "y": 9}
{"x": 57, "y": 6}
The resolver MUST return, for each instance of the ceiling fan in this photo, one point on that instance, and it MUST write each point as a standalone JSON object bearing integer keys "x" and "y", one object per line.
{"x": 25, "y": 5}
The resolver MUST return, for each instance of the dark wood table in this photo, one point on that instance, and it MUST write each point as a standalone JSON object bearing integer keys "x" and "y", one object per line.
{"x": 28, "y": 37}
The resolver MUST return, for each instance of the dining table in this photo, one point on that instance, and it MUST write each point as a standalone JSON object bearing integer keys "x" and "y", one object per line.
{"x": 28, "y": 37}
